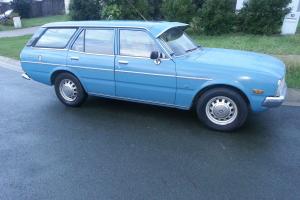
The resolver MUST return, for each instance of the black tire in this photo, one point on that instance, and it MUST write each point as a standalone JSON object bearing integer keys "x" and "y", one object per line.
{"x": 204, "y": 102}
{"x": 80, "y": 92}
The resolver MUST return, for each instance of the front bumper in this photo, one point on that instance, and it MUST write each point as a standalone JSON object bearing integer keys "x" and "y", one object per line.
{"x": 25, "y": 76}
{"x": 272, "y": 102}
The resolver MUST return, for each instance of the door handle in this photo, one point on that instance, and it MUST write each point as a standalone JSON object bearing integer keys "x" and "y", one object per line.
{"x": 74, "y": 58}
{"x": 123, "y": 62}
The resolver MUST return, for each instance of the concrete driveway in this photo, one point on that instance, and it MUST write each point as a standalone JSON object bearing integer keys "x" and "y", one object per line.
{"x": 118, "y": 150}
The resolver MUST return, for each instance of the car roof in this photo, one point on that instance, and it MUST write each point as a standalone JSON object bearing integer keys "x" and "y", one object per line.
{"x": 156, "y": 28}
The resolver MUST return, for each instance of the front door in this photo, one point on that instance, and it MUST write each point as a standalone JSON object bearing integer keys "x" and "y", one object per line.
{"x": 92, "y": 57}
{"x": 137, "y": 76}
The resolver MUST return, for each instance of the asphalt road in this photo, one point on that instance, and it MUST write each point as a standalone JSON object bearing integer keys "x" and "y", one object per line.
{"x": 117, "y": 150}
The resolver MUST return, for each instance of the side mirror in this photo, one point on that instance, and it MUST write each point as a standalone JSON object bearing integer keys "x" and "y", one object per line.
{"x": 154, "y": 55}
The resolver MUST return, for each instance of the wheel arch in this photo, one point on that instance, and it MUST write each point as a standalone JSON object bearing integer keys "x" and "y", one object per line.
{"x": 210, "y": 87}
{"x": 60, "y": 71}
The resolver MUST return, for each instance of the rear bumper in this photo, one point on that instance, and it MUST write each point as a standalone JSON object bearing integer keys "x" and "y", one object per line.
{"x": 271, "y": 102}
{"x": 25, "y": 76}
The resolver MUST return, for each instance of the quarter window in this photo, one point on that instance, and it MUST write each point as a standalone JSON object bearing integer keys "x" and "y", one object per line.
{"x": 56, "y": 38}
{"x": 99, "y": 41}
{"x": 136, "y": 43}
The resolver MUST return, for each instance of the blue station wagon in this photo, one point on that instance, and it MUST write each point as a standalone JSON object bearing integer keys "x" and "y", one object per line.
{"x": 154, "y": 63}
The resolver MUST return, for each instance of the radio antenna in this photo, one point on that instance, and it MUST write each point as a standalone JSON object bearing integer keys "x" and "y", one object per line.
{"x": 137, "y": 11}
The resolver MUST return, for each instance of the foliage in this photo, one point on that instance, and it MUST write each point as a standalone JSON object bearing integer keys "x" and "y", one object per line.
{"x": 263, "y": 16}
{"x": 178, "y": 10}
{"x": 22, "y": 7}
{"x": 85, "y": 9}
{"x": 215, "y": 17}
{"x": 125, "y": 9}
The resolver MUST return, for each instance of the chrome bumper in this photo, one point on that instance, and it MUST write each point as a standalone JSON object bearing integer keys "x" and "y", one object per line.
{"x": 25, "y": 76}
{"x": 272, "y": 102}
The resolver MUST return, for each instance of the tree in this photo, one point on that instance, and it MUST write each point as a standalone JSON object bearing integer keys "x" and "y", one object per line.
{"x": 215, "y": 17}
{"x": 125, "y": 9}
{"x": 22, "y": 7}
{"x": 85, "y": 9}
{"x": 178, "y": 10}
{"x": 263, "y": 16}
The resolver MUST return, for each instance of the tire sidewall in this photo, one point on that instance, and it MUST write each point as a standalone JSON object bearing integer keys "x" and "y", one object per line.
{"x": 234, "y": 96}
{"x": 81, "y": 92}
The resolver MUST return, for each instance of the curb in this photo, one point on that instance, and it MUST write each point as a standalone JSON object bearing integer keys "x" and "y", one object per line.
{"x": 19, "y": 32}
{"x": 292, "y": 99}
{"x": 11, "y": 64}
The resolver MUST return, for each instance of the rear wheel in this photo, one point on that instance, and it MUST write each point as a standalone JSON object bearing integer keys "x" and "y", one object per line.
{"x": 222, "y": 109}
{"x": 69, "y": 90}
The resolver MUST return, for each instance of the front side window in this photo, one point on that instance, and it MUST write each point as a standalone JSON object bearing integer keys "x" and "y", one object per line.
{"x": 136, "y": 44}
{"x": 95, "y": 41}
{"x": 56, "y": 37}
{"x": 178, "y": 41}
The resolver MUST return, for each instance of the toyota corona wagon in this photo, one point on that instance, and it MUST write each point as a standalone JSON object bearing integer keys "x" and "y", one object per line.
{"x": 153, "y": 63}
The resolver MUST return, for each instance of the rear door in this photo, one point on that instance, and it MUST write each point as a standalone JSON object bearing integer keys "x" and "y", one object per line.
{"x": 92, "y": 57}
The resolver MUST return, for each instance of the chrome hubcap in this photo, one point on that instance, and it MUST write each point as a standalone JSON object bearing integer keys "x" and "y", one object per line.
{"x": 68, "y": 90}
{"x": 221, "y": 110}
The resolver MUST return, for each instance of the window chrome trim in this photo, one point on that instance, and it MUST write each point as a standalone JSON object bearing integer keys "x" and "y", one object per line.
{"x": 140, "y": 57}
{"x": 49, "y": 48}
{"x": 139, "y": 100}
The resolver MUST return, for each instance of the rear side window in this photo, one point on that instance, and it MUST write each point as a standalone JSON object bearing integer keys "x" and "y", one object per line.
{"x": 56, "y": 37}
{"x": 36, "y": 35}
{"x": 97, "y": 41}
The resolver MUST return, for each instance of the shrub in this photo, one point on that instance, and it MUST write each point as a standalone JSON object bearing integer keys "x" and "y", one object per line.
{"x": 215, "y": 17}
{"x": 125, "y": 9}
{"x": 263, "y": 16}
{"x": 111, "y": 11}
{"x": 22, "y": 7}
{"x": 85, "y": 9}
{"x": 178, "y": 10}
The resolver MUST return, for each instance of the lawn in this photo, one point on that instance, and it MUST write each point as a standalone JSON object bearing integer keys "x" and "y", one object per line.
{"x": 30, "y": 22}
{"x": 11, "y": 47}
{"x": 276, "y": 45}
{"x": 281, "y": 46}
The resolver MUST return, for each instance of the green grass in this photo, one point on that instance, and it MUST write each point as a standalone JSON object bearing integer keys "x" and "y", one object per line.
{"x": 30, "y": 22}
{"x": 43, "y": 20}
{"x": 276, "y": 45}
{"x": 11, "y": 47}
{"x": 293, "y": 76}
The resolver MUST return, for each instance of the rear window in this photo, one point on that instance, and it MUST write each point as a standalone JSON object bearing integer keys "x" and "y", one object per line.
{"x": 35, "y": 36}
{"x": 56, "y": 38}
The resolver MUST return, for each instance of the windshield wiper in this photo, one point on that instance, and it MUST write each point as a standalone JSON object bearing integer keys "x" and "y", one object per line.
{"x": 190, "y": 50}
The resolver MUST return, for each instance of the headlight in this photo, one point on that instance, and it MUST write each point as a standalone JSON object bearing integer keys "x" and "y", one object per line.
{"x": 280, "y": 87}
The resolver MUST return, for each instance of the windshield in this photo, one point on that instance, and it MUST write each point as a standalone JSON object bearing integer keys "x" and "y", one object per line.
{"x": 178, "y": 41}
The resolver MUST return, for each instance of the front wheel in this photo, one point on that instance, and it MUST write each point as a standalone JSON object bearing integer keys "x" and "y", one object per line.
{"x": 222, "y": 109}
{"x": 69, "y": 90}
